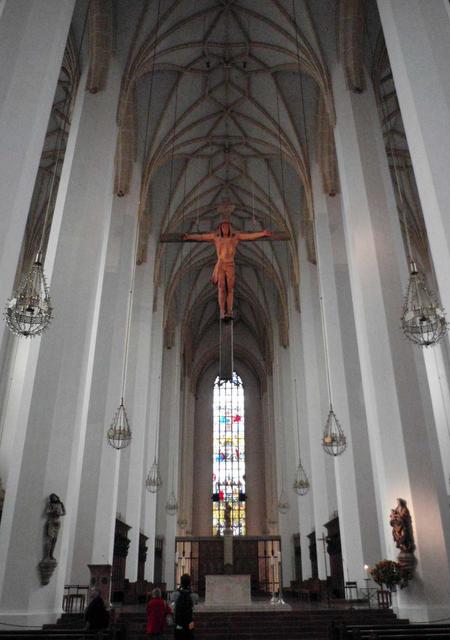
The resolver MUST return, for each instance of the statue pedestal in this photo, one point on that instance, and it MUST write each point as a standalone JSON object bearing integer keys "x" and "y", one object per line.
{"x": 227, "y": 590}
{"x": 228, "y": 549}
{"x": 101, "y": 580}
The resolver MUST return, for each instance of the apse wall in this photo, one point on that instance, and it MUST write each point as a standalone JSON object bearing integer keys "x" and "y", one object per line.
{"x": 254, "y": 447}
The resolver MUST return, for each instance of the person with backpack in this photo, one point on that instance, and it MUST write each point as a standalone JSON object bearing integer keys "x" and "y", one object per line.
{"x": 183, "y": 601}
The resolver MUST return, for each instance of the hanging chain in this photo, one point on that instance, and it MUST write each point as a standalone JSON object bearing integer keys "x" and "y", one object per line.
{"x": 397, "y": 180}
{"x": 296, "y": 415}
{"x": 65, "y": 120}
{"x": 319, "y": 282}
{"x": 136, "y": 236}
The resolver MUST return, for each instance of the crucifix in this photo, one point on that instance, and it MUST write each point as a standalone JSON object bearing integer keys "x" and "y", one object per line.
{"x": 225, "y": 240}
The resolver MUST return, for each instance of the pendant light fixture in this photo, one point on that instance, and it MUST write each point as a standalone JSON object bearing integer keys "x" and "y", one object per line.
{"x": 29, "y": 311}
{"x": 153, "y": 481}
{"x": 119, "y": 433}
{"x": 423, "y": 319}
{"x": 172, "y": 502}
{"x": 301, "y": 483}
{"x": 334, "y": 441}
{"x": 283, "y": 502}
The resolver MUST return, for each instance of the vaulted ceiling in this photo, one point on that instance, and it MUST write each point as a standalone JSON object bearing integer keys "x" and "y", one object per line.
{"x": 219, "y": 101}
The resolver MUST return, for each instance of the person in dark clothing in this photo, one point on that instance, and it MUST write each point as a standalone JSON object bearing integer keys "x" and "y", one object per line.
{"x": 96, "y": 614}
{"x": 184, "y": 600}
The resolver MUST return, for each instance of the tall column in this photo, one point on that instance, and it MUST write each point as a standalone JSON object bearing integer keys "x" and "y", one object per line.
{"x": 286, "y": 448}
{"x": 152, "y": 429}
{"x": 169, "y": 455}
{"x": 95, "y": 525}
{"x": 51, "y": 425}
{"x": 440, "y": 394}
{"x": 355, "y": 491}
{"x": 33, "y": 36}
{"x": 140, "y": 370}
{"x": 271, "y": 488}
{"x": 301, "y": 435}
{"x": 398, "y": 406}
{"x": 322, "y": 474}
{"x": 187, "y": 458}
{"x": 417, "y": 37}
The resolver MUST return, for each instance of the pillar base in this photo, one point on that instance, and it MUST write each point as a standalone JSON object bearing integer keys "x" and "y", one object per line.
{"x": 101, "y": 579}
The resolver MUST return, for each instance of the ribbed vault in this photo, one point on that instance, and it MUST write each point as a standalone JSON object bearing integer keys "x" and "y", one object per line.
{"x": 221, "y": 91}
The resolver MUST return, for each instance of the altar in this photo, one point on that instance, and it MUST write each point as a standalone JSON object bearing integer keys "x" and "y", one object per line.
{"x": 233, "y": 593}
{"x": 227, "y": 590}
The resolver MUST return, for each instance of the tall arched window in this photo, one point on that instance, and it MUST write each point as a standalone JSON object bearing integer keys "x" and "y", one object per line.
{"x": 229, "y": 455}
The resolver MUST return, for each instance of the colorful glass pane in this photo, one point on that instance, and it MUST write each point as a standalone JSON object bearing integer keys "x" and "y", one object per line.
{"x": 228, "y": 476}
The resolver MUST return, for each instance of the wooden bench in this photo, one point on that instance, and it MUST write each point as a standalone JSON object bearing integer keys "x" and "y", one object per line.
{"x": 396, "y": 630}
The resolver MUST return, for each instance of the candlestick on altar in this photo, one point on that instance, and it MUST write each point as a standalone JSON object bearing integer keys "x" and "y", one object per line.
{"x": 367, "y": 580}
{"x": 280, "y": 577}
{"x": 273, "y": 600}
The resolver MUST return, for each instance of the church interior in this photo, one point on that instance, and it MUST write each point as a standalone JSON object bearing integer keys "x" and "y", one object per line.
{"x": 225, "y": 258}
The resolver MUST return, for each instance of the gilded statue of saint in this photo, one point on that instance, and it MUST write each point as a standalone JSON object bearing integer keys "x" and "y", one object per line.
{"x": 401, "y": 523}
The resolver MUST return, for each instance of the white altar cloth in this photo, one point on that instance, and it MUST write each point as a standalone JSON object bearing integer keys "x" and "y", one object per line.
{"x": 227, "y": 590}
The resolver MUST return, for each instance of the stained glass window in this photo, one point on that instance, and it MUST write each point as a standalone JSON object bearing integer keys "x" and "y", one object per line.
{"x": 228, "y": 479}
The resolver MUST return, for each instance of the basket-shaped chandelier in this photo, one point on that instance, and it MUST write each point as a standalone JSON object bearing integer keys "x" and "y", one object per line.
{"x": 301, "y": 483}
{"x": 29, "y": 311}
{"x": 423, "y": 320}
{"x": 283, "y": 505}
{"x": 171, "y": 504}
{"x": 334, "y": 441}
{"x": 153, "y": 480}
{"x": 119, "y": 433}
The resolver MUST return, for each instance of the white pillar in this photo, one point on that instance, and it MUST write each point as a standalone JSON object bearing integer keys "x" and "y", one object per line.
{"x": 169, "y": 455}
{"x": 286, "y": 449}
{"x": 398, "y": 406}
{"x": 316, "y": 401}
{"x": 356, "y": 505}
{"x": 153, "y": 425}
{"x": 49, "y": 442}
{"x": 187, "y": 457}
{"x": 417, "y": 37}
{"x": 140, "y": 368}
{"x": 94, "y": 535}
{"x": 300, "y": 424}
{"x": 33, "y": 36}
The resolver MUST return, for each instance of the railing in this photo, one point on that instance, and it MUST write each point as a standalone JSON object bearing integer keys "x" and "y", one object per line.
{"x": 75, "y": 598}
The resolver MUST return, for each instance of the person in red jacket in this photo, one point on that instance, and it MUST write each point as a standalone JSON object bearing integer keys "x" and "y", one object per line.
{"x": 157, "y": 610}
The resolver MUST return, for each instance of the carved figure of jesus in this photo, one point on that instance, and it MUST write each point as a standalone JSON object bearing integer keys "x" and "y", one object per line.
{"x": 54, "y": 510}
{"x": 226, "y": 241}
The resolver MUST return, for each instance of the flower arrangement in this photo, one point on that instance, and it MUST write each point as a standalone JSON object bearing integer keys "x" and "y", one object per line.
{"x": 389, "y": 573}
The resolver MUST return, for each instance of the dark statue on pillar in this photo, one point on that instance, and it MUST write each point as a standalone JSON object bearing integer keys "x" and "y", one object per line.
{"x": 402, "y": 532}
{"x": 54, "y": 510}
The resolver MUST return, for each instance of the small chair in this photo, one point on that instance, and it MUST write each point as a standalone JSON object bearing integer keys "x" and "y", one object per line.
{"x": 384, "y": 598}
{"x": 351, "y": 590}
